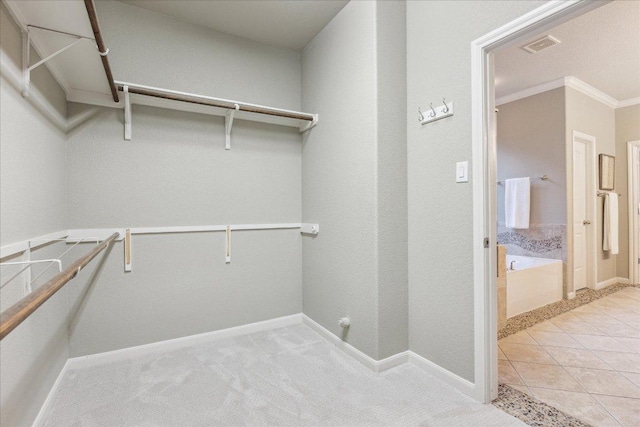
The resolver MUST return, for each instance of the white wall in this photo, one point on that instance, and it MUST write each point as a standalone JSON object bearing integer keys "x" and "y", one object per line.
{"x": 440, "y": 211}
{"x": 32, "y": 202}
{"x": 176, "y": 171}
{"x": 354, "y": 177}
{"x": 585, "y": 114}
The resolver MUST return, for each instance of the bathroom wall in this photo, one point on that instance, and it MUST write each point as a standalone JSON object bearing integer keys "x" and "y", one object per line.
{"x": 175, "y": 171}
{"x": 586, "y": 115}
{"x": 32, "y": 203}
{"x": 354, "y": 169}
{"x": 531, "y": 142}
{"x": 441, "y": 326}
{"x": 627, "y": 129}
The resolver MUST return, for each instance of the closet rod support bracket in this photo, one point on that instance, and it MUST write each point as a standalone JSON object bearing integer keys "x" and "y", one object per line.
{"x": 127, "y": 113}
{"x": 228, "y": 123}
{"x": 310, "y": 125}
{"x": 311, "y": 229}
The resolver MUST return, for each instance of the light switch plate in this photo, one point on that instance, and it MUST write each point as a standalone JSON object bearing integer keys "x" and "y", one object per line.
{"x": 462, "y": 172}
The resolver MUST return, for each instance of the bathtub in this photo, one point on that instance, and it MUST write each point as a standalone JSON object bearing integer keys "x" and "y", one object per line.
{"x": 532, "y": 283}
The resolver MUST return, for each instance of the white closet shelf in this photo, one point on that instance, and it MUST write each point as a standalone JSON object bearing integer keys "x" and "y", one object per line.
{"x": 184, "y": 101}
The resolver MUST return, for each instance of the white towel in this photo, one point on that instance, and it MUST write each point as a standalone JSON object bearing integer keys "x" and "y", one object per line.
{"x": 517, "y": 202}
{"x": 610, "y": 232}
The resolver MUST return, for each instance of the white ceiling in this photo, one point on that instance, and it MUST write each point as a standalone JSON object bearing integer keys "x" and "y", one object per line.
{"x": 281, "y": 23}
{"x": 601, "y": 48}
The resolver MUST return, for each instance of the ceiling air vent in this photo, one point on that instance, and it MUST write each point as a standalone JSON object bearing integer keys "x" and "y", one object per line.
{"x": 540, "y": 44}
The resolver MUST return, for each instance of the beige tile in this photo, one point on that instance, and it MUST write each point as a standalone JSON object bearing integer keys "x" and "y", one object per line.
{"x": 566, "y": 317}
{"x": 625, "y": 410}
{"x": 546, "y": 376}
{"x": 634, "y": 378}
{"x": 521, "y": 337}
{"x": 578, "y": 327}
{"x": 502, "y": 304}
{"x": 508, "y": 375}
{"x": 598, "y": 318}
{"x": 602, "y": 382}
{"x": 527, "y": 353}
{"x": 544, "y": 326}
{"x": 587, "y": 308}
{"x": 554, "y": 339}
{"x": 580, "y": 405}
{"x": 577, "y": 357}
{"x": 501, "y": 355}
{"x": 620, "y": 331}
{"x": 625, "y": 362}
{"x": 522, "y": 388}
{"x": 594, "y": 342}
{"x": 632, "y": 343}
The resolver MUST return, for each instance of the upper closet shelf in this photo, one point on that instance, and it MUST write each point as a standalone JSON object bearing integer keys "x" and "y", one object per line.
{"x": 165, "y": 98}
{"x": 66, "y": 34}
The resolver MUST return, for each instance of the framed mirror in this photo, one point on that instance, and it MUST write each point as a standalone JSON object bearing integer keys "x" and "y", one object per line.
{"x": 607, "y": 172}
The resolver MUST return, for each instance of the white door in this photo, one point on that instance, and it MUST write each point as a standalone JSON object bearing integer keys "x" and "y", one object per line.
{"x": 634, "y": 210}
{"x": 580, "y": 222}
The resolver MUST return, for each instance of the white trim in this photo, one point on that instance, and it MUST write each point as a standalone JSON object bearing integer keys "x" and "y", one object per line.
{"x": 181, "y": 342}
{"x": 572, "y": 82}
{"x": 485, "y": 313}
{"x": 591, "y": 91}
{"x": 571, "y": 295}
{"x": 628, "y": 102}
{"x": 612, "y": 281}
{"x": 633, "y": 203}
{"x": 533, "y": 90}
{"x": 366, "y": 360}
{"x": 457, "y": 382}
{"x": 46, "y": 405}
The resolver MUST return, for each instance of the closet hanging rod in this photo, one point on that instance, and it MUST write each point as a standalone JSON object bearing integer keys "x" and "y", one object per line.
{"x": 211, "y": 101}
{"x": 17, "y": 313}
{"x": 102, "y": 50}
{"x": 541, "y": 178}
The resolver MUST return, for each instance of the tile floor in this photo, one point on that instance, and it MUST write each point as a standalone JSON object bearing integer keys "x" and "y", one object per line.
{"x": 585, "y": 362}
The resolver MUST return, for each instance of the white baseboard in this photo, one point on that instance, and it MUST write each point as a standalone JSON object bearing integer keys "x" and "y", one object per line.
{"x": 140, "y": 350}
{"x": 39, "y": 421}
{"x": 612, "y": 281}
{"x": 444, "y": 375}
{"x": 369, "y": 362}
{"x": 571, "y": 295}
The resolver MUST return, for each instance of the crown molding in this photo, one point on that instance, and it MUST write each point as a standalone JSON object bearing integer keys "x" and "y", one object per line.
{"x": 628, "y": 102}
{"x": 573, "y": 83}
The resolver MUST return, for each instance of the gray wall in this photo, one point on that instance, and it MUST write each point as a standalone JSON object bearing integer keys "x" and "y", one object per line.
{"x": 176, "y": 171}
{"x": 585, "y": 114}
{"x": 153, "y": 49}
{"x": 531, "y": 142}
{"x": 440, "y": 211}
{"x": 354, "y": 177}
{"x": 32, "y": 203}
{"x": 627, "y": 129}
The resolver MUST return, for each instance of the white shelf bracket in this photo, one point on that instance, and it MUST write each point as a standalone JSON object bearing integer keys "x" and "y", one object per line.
{"x": 312, "y": 229}
{"x": 127, "y": 114}
{"x": 309, "y": 125}
{"x": 26, "y": 51}
{"x": 228, "y": 123}
{"x": 127, "y": 250}
{"x": 26, "y": 74}
{"x": 227, "y": 253}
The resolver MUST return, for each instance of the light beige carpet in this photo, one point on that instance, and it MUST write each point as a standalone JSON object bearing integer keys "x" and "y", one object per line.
{"x": 286, "y": 377}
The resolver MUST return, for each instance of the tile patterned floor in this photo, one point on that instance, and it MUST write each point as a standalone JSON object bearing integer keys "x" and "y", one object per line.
{"x": 585, "y": 362}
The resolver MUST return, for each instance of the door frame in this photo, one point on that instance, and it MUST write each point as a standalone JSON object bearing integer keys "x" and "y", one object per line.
{"x": 592, "y": 188}
{"x": 633, "y": 200}
{"x": 517, "y": 31}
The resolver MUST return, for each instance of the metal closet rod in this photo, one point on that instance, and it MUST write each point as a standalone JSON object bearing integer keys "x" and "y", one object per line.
{"x": 17, "y": 313}
{"x": 95, "y": 26}
{"x": 211, "y": 102}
